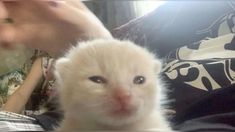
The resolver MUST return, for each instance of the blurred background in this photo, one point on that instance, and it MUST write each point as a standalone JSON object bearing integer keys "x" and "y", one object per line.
{"x": 114, "y": 13}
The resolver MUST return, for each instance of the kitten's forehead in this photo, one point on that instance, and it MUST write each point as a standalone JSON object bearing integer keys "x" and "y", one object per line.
{"x": 115, "y": 53}
{"x": 112, "y": 58}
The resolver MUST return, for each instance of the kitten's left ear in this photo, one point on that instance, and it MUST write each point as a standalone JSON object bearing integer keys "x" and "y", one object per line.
{"x": 157, "y": 66}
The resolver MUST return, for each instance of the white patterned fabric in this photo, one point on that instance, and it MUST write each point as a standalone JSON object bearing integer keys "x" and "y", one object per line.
{"x": 199, "y": 69}
{"x": 16, "y": 122}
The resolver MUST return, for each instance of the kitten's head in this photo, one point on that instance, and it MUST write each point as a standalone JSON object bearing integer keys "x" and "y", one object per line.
{"x": 109, "y": 81}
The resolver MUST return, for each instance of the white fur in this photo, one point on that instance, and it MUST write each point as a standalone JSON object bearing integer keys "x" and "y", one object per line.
{"x": 87, "y": 104}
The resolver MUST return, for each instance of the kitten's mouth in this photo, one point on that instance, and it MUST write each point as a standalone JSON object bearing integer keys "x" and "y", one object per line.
{"x": 123, "y": 111}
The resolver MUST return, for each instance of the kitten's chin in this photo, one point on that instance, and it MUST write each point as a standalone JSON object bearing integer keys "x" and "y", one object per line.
{"x": 123, "y": 112}
{"x": 120, "y": 117}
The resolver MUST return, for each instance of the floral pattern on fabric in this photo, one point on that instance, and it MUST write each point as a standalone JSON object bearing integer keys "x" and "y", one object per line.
{"x": 11, "y": 81}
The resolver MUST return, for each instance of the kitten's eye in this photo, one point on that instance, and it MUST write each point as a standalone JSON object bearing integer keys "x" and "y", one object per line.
{"x": 98, "y": 79}
{"x": 139, "y": 80}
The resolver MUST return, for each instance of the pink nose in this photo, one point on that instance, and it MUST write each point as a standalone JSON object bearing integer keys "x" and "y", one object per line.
{"x": 123, "y": 97}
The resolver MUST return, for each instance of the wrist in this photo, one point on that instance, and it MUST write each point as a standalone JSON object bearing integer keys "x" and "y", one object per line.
{"x": 36, "y": 69}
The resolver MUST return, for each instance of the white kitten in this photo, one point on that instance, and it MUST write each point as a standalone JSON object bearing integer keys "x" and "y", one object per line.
{"x": 110, "y": 85}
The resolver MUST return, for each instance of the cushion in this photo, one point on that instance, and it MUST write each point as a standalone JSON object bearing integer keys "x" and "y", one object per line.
{"x": 196, "y": 71}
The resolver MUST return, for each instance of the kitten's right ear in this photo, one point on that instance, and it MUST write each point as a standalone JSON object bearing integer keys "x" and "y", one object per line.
{"x": 61, "y": 67}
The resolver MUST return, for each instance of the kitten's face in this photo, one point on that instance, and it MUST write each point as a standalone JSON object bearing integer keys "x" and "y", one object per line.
{"x": 110, "y": 82}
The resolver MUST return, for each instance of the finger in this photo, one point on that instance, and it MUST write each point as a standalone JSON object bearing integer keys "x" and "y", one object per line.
{"x": 77, "y": 3}
{"x": 66, "y": 11}
{"x": 56, "y": 3}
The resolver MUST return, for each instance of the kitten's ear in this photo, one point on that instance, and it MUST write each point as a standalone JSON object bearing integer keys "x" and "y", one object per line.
{"x": 61, "y": 66}
{"x": 157, "y": 66}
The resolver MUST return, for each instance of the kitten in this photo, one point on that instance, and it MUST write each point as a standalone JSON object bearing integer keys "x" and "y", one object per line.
{"x": 110, "y": 85}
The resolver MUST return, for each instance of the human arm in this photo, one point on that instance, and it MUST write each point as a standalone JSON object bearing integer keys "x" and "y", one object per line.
{"x": 16, "y": 102}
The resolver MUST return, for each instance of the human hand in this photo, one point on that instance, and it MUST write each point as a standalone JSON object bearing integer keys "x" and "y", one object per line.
{"x": 75, "y": 12}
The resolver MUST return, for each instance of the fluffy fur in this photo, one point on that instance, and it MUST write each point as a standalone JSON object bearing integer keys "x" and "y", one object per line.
{"x": 119, "y": 100}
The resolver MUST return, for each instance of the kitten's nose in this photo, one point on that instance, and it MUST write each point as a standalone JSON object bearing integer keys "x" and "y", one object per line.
{"x": 123, "y": 97}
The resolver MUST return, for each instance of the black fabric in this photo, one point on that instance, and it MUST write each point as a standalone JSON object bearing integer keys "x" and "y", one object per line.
{"x": 211, "y": 123}
{"x": 49, "y": 120}
{"x": 218, "y": 102}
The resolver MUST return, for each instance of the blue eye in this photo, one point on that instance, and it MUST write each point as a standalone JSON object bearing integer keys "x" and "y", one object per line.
{"x": 139, "y": 80}
{"x": 98, "y": 79}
